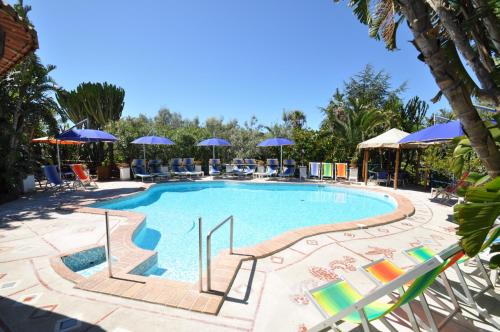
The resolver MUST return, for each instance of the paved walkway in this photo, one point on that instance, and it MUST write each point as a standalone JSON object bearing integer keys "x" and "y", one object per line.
{"x": 267, "y": 295}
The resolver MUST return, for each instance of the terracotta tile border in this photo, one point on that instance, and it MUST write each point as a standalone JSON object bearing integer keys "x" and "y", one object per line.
{"x": 224, "y": 267}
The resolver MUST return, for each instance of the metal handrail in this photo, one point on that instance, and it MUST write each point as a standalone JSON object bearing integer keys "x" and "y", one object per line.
{"x": 209, "y": 246}
{"x": 200, "y": 254}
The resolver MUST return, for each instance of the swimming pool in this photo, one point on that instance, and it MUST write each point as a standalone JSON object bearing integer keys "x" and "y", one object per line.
{"x": 261, "y": 212}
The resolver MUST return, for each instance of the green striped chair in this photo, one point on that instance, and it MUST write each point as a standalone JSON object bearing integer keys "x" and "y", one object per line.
{"x": 327, "y": 170}
{"x": 421, "y": 254}
{"x": 339, "y": 301}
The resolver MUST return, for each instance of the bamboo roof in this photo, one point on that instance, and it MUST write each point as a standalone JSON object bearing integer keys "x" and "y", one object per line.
{"x": 19, "y": 38}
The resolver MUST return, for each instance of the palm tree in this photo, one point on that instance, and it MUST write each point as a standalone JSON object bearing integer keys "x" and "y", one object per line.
{"x": 350, "y": 124}
{"x": 296, "y": 118}
{"x": 24, "y": 100}
{"x": 439, "y": 41}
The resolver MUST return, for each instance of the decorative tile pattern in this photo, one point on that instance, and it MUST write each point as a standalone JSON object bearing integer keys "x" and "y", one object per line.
{"x": 28, "y": 299}
{"x": 277, "y": 259}
{"x": 67, "y": 324}
{"x": 43, "y": 311}
{"x": 312, "y": 242}
{"x": 329, "y": 273}
{"x": 387, "y": 252}
{"x": 9, "y": 284}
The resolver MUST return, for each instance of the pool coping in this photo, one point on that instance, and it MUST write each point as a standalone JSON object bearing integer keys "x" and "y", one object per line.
{"x": 225, "y": 266}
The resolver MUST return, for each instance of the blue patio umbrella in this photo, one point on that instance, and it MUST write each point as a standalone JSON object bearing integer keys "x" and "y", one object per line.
{"x": 152, "y": 140}
{"x": 213, "y": 142}
{"x": 437, "y": 133}
{"x": 277, "y": 141}
{"x": 86, "y": 135}
{"x": 83, "y": 135}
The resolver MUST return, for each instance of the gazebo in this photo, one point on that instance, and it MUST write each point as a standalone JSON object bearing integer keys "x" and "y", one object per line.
{"x": 17, "y": 38}
{"x": 388, "y": 140}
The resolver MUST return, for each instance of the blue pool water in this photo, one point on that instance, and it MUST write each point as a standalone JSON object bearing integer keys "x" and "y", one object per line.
{"x": 261, "y": 212}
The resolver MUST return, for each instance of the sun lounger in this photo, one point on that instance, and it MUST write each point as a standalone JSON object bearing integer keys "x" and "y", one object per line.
{"x": 261, "y": 171}
{"x": 191, "y": 167}
{"x": 250, "y": 166}
{"x": 449, "y": 192}
{"x": 340, "y": 301}
{"x": 177, "y": 168}
{"x": 138, "y": 167}
{"x": 155, "y": 169}
{"x": 315, "y": 170}
{"x": 327, "y": 171}
{"x": 288, "y": 168}
{"x": 422, "y": 254}
{"x": 54, "y": 180}
{"x": 384, "y": 271}
{"x": 340, "y": 171}
{"x": 214, "y": 167}
{"x": 83, "y": 178}
{"x": 239, "y": 168}
{"x": 272, "y": 167}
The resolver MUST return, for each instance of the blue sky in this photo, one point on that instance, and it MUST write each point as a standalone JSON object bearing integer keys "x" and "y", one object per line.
{"x": 222, "y": 58}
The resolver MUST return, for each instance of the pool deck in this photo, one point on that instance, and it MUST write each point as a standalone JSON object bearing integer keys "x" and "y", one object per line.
{"x": 38, "y": 293}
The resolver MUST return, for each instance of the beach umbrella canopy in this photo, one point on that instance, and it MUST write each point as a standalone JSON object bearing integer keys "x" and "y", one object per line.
{"x": 151, "y": 140}
{"x": 86, "y": 135}
{"x": 52, "y": 140}
{"x": 437, "y": 133}
{"x": 277, "y": 141}
{"x": 213, "y": 142}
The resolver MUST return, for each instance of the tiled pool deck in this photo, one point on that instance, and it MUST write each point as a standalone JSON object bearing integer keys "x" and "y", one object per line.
{"x": 38, "y": 293}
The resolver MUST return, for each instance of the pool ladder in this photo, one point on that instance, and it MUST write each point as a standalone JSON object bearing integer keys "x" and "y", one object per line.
{"x": 209, "y": 249}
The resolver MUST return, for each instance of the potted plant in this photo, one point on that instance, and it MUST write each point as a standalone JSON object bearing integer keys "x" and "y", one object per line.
{"x": 124, "y": 171}
{"x": 103, "y": 171}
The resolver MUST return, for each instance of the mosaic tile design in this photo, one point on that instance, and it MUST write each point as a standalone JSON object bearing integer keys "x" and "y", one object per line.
{"x": 28, "y": 299}
{"x": 43, "y": 311}
{"x": 9, "y": 284}
{"x": 67, "y": 324}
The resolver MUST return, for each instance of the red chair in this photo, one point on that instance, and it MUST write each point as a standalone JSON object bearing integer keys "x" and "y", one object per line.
{"x": 83, "y": 178}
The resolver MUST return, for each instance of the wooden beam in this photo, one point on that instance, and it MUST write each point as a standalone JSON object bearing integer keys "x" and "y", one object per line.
{"x": 2, "y": 42}
{"x": 396, "y": 170}
{"x": 365, "y": 166}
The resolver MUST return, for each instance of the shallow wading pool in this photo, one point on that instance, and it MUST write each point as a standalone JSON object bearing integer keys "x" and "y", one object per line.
{"x": 261, "y": 212}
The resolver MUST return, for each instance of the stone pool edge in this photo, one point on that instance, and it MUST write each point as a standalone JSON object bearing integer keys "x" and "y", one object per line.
{"x": 185, "y": 295}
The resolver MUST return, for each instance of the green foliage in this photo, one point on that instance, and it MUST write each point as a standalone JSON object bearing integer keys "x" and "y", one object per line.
{"x": 100, "y": 103}
{"x": 477, "y": 215}
{"x": 463, "y": 152}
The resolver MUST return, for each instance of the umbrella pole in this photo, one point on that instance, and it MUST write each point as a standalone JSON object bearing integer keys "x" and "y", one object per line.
{"x": 144, "y": 151}
{"x": 281, "y": 154}
{"x": 58, "y": 159}
{"x": 213, "y": 151}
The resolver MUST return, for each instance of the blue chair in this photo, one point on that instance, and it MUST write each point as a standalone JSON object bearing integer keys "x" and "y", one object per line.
{"x": 250, "y": 166}
{"x": 54, "y": 180}
{"x": 155, "y": 169}
{"x": 272, "y": 167}
{"x": 288, "y": 168}
{"x": 191, "y": 167}
{"x": 138, "y": 167}
{"x": 239, "y": 168}
{"x": 214, "y": 167}
{"x": 177, "y": 168}
{"x": 380, "y": 177}
{"x": 315, "y": 170}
